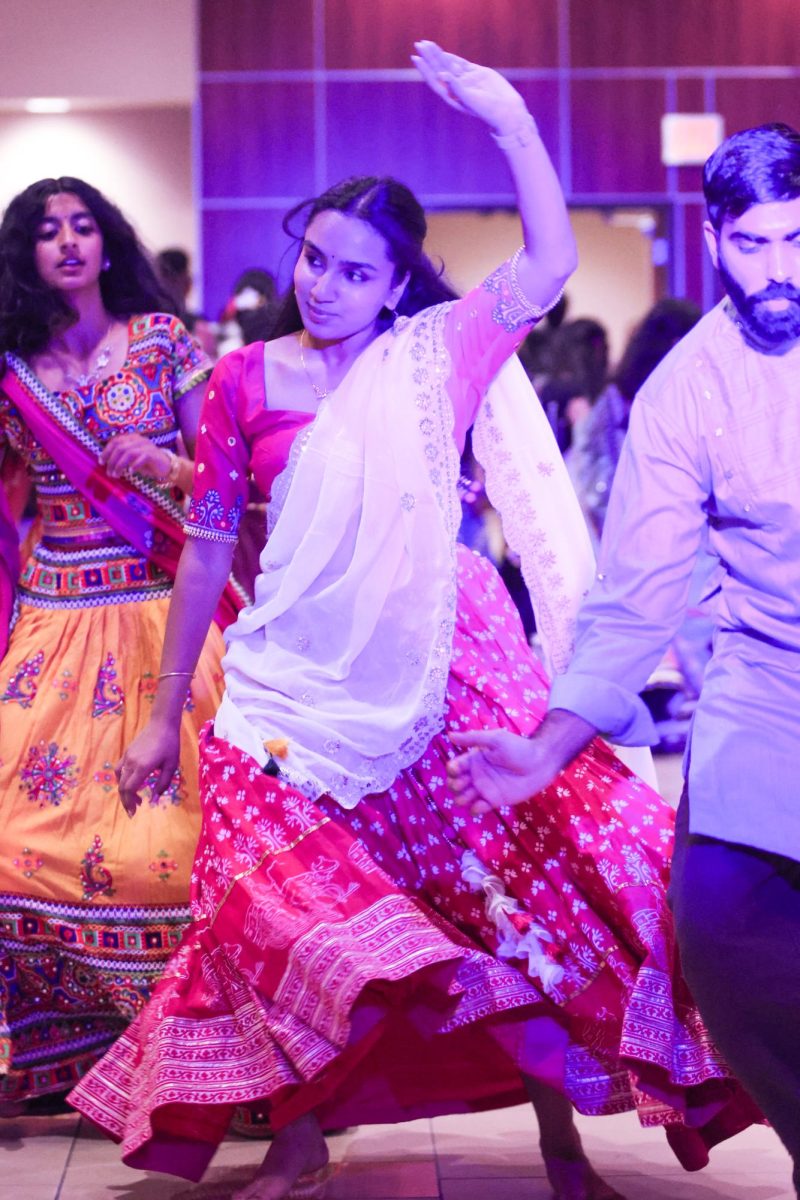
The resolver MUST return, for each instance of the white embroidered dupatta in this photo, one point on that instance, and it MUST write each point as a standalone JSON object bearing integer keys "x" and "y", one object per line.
{"x": 528, "y": 483}
{"x": 346, "y": 649}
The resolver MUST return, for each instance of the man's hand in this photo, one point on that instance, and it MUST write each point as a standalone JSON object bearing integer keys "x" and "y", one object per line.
{"x": 502, "y": 768}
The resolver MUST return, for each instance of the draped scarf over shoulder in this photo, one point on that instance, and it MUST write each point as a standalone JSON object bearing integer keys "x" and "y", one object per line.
{"x": 345, "y": 652}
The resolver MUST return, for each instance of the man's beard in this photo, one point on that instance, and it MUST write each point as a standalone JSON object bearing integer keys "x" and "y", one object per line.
{"x": 763, "y": 324}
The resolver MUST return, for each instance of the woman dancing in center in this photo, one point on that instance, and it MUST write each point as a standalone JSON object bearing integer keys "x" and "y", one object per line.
{"x": 361, "y": 951}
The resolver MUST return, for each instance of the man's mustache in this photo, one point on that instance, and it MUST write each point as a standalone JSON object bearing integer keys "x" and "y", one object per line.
{"x": 776, "y": 291}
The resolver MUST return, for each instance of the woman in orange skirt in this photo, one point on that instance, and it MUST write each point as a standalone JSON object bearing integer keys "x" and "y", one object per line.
{"x": 97, "y": 386}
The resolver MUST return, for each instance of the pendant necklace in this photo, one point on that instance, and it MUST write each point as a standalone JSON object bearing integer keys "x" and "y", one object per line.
{"x": 320, "y": 393}
{"x": 86, "y": 378}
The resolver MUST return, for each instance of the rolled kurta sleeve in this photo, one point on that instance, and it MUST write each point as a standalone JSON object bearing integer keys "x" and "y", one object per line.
{"x": 653, "y": 534}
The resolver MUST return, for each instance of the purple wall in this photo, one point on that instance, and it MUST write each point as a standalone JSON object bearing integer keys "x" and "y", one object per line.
{"x": 295, "y": 94}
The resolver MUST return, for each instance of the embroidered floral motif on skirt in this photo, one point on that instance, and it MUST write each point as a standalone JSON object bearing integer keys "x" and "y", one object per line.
{"x": 86, "y": 922}
{"x": 404, "y": 958}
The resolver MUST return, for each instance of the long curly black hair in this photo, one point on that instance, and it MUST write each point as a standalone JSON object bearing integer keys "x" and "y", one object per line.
{"x": 30, "y": 311}
{"x": 394, "y": 212}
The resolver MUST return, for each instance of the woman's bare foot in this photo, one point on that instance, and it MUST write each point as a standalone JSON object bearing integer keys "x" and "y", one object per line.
{"x": 576, "y": 1179}
{"x": 571, "y": 1175}
{"x": 296, "y": 1150}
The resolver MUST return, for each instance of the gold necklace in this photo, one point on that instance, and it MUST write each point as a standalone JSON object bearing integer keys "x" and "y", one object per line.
{"x": 320, "y": 393}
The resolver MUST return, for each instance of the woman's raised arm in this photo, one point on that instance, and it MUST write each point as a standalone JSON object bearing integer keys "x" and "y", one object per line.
{"x": 549, "y": 256}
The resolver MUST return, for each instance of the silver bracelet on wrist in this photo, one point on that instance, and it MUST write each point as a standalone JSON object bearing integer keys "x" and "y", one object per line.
{"x": 534, "y": 311}
{"x": 525, "y": 133}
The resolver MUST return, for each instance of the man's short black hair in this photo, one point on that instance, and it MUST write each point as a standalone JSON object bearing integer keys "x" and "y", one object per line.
{"x": 755, "y": 166}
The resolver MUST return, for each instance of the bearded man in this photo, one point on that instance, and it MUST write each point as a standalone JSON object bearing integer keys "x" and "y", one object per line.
{"x": 713, "y": 447}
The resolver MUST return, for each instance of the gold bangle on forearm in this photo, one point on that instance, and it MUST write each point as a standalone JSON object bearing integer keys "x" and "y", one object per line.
{"x": 171, "y": 674}
{"x": 173, "y": 470}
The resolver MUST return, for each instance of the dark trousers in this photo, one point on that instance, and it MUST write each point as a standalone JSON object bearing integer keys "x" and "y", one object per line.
{"x": 737, "y": 915}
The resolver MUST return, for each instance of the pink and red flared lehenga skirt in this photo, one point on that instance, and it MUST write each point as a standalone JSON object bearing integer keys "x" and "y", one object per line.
{"x": 408, "y": 959}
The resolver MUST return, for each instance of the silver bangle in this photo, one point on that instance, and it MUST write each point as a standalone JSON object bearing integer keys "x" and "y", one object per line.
{"x": 534, "y": 311}
{"x": 525, "y": 133}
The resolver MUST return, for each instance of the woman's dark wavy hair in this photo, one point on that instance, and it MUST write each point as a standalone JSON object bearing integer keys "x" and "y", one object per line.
{"x": 30, "y": 311}
{"x": 394, "y": 212}
{"x": 659, "y": 330}
{"x": 755, "y": 166}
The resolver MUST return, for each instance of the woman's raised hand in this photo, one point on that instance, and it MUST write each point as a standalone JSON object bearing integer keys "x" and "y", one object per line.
{"x": 548, "y": 255}
{"x": 470, "y": 88}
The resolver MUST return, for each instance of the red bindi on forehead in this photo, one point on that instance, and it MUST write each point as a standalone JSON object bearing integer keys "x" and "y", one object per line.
{"x": 347, "y": 238}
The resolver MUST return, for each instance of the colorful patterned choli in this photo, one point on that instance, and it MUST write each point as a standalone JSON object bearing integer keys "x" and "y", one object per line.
{"x": 79, "y": 560}
{"x": 91, "y": 904}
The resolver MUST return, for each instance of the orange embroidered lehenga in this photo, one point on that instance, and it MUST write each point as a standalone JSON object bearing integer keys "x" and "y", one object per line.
{"x": 91, "y": 904}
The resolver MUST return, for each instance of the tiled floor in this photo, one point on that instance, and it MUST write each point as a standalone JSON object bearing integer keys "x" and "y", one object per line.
{"x": 491, "y": 1156}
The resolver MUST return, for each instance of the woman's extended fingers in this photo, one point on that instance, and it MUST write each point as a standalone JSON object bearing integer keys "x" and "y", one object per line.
{"x": 152, "y": 755}
{"x": 438, "y": 69}
{"x": 132, "y": 452}
{"x": 130, "y": 799}
{"x": 442, "y": 61}
{"x": 431, "y": 54}
{"x": 128, "y": 783}
{"x": 433, "y": 81}
{"x": 469, "y": 87}
{"x": 117, "y": 454}
{"x": 132, "y": 775}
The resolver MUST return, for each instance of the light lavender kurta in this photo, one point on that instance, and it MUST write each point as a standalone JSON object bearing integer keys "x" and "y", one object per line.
{"x": 714, "y": 441}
